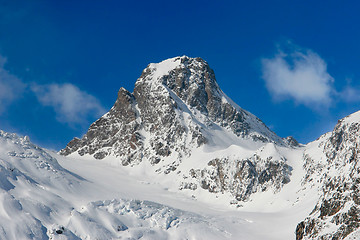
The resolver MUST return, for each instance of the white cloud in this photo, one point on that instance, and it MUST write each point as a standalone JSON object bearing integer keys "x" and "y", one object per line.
{"x": 350, "y": 93}
{"x": 300, "y": 75}
{"x": 70, "y": 104}
{"x": 11, "y": 87}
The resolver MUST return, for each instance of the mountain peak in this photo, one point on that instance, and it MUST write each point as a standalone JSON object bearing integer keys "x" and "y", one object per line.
{"x": 190, "y": 79}
{"x": 155, "y": 72}
{"x": 176, "y": 106}
{"x": 175, "y": 62}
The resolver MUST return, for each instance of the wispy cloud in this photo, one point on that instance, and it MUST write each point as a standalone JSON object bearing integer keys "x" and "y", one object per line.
{"x": 11, "y": 87}
{"x": 298, "y": 74}
{"x": 71, "y": 105}
{"x": 350, "y": 93}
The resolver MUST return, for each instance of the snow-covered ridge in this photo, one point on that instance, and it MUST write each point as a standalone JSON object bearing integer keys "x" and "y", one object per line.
{"x": 352, "y": 118}
{"x": 27, "y": 173}
{"x": 332, "y": 165}
{"x": 163, "y": 68}
{"x": 32, "y": 162}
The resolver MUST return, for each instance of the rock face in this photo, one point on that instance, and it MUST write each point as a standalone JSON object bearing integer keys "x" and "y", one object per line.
{"x": 338, "y": 172}
{"x": 243, "y": 176}
{"x": 117, "y": 132}
{"x": 173, "y": 104}
{"x": 176, "y": 108}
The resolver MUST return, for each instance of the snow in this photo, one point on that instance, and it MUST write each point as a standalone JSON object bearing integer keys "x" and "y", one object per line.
{"x": 355, "y": 117}
{"x": 164, "y": 67}
{"x": 228, "y": 222}
{"x": 46, "y": 195}
{"x": 50, "y": 196}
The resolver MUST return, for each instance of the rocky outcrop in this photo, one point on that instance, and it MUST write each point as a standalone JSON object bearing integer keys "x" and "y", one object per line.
{"x": 338, "y": 207}
{"x": 242, "y": 177}
{"x": 117, "y": 133}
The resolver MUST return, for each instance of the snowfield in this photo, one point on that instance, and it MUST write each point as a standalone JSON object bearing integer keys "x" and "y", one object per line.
{"x": 48, "y": 196}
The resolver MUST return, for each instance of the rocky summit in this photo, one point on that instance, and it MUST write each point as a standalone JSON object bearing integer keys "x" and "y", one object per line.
{"x": 173, "y": 105}
{"x": 176, "y": 108}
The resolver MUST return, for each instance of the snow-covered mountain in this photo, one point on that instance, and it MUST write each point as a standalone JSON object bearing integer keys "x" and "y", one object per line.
{"x": 178, "y": 159}
{"x": 332, "y": 163}
{"x": 176, "y": 105}
{"x": 175, "y": 117}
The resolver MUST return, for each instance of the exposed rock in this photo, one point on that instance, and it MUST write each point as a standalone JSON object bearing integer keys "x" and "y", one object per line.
{"x": 338, "y": 206}
{"x": 291, "y": 141}
{"x": 242, "y": 177}
{"x": 175, "y": 108}
{"x": 300, "y": 228}
{"x": 114, "y": 133}
{"x": 165, "y": 96}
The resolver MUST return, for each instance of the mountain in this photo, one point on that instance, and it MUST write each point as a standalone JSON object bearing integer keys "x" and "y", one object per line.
{"x": 178, "y": 109}
{"x": 178, "y": 159}
{"x": 175, "y": 105}
{"x": 333, "y": 163}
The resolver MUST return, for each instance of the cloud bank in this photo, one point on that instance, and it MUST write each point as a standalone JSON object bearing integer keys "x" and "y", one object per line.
{"x": 70, "y": 104}
{"x": 11, "y": 87}
{"x": 300, "y": 75}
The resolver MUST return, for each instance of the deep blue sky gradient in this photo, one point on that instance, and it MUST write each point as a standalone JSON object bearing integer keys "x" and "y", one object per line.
{"x": 100, "y": 46}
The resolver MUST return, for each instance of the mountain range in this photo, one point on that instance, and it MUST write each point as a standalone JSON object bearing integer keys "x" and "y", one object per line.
{"x": 178, "y": 159}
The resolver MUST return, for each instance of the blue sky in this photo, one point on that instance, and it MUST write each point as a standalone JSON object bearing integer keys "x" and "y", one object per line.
{"x": 294, "y": 64}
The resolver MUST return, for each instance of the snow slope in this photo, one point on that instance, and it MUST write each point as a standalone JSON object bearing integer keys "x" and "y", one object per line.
{"x": 39, "y": 199}
{"x": 48, "y": 196}
{"x": 276, "y": 214}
